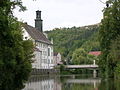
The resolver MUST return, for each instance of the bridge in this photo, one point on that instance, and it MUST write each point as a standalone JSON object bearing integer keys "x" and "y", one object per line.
{"x": 92, "y": 66}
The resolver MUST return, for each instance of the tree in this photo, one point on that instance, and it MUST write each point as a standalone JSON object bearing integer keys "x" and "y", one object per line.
{"x": 115, "y": 55}
{"x": 80, "y": 56}
{"x": 15, "y": 54}
{"x": 109, "y": 31}
{"x": 66, "y": 40}
{"x": 115, "y": 50}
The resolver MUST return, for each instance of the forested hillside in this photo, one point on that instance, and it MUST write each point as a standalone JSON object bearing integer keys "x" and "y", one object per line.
{"x": 67, "y": 40}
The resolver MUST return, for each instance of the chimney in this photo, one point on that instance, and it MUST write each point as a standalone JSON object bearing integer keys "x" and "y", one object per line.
{"x": 38, "y": 21}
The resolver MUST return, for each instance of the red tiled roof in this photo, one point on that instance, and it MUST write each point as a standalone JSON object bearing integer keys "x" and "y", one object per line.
{"x": 96, "y": 53}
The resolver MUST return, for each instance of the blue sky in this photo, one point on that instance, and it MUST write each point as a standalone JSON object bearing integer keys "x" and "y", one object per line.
{"x": 62, "y": 13}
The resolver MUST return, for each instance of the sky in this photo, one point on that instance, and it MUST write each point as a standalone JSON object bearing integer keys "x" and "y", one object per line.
{"x": 62, "y": 13}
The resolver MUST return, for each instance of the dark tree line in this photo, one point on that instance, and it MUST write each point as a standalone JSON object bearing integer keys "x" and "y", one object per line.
{"x": 109, "y": 33}
{"x": 15, "y": 54}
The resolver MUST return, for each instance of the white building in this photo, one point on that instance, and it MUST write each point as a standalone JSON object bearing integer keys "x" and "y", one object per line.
{"x": 57, "y": 58}
{"x": 43, "y": 47}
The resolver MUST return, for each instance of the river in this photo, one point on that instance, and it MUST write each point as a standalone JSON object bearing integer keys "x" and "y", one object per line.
{"x": 71, "y": 82}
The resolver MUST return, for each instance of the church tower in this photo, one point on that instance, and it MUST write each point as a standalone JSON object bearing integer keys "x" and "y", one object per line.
{"x": 38, "y": 21}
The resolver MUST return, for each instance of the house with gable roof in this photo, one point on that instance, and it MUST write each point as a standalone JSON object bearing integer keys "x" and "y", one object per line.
{"x": 57, "y": 58}
{"x": 43, "y": 47}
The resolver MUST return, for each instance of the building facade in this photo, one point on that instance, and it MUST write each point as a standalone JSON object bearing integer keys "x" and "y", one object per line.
{"x": 57, "y": 58}
{"x": 43, "y": 50}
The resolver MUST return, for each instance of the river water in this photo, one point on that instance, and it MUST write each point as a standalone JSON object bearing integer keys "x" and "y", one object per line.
{"x": 71, "y": 82}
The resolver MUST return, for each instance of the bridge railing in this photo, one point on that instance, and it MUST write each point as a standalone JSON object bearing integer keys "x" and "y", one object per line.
{"x": 81, "y": 66}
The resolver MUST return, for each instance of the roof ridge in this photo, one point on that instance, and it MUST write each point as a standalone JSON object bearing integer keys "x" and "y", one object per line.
{"x": 35, "y": 34}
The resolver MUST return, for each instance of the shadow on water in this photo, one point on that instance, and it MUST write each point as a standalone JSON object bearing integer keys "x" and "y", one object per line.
{"x": 71, "y": 82}
{"x": 109, "y": 84}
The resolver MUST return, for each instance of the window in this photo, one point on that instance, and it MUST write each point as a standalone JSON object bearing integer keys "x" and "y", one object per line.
{"x": 48, "y": 61}
{"x": 48, "y": 51}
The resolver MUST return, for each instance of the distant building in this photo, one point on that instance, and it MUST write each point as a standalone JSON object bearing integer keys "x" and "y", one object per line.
{"x": 95, "y": 53}
{"x": 57, "y": 58}
{"x": 43, "y": 47}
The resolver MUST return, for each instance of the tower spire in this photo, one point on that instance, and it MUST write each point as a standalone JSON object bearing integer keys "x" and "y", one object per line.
{"x": 38, "y": 21}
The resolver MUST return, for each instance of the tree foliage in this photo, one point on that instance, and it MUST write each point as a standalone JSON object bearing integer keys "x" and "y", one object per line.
{"x": 115, "y": 55}
{"x": 67, "y": 40}
{"x": 110, "y": 30}
{"x": 92, "y": 44}
{"x": 15, "y": 54}
{"x": 80, "y": 56}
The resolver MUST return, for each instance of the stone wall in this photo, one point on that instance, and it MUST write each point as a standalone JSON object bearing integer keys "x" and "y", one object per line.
{"x": 45, "y": 71}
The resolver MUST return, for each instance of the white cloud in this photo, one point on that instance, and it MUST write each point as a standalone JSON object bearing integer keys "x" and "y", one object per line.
{"x": 58, "y": 13}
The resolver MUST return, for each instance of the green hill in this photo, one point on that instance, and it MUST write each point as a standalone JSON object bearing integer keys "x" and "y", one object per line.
{"x": 67, "y": 40}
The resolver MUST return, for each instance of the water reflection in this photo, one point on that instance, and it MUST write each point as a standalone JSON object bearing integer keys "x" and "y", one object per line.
{"x": 81, "y": 83}
{"x": 62, "y": 83}
{"x": 43, "y": 83}
{"x": 110, "y": 84}
{"x": 92, "y": 82}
